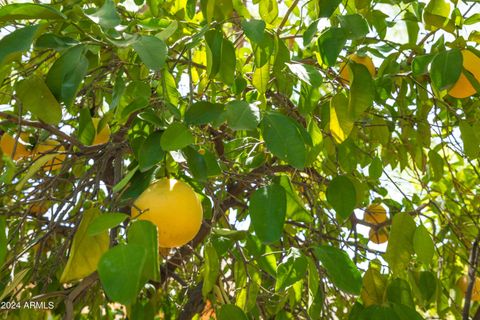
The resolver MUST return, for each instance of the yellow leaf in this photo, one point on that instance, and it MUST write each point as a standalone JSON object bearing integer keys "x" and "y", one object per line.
{"x": 373, "y": 289}
{"x": 86, "y": 250}
{"x": 341, "y": 123}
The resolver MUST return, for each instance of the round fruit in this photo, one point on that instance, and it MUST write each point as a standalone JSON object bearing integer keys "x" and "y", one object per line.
{"x": 462, "y": 284}
{"x": 463, "y": 88}
{"x": 378, "y": 236}
{"x": 174, "y": 208}
{"x": 365, "y": 60}
{"x": 7, "y": 143}
{"x": 103, "y": 136}
{"x": 49, "y": 146}
{"x": 375, "y": 214}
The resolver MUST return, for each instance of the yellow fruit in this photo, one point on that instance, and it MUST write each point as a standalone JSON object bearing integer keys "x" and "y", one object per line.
{"x": 7, "y": 143}
{"x": 375, "y": 214}
{"x": 49, "y": 146}
{"x": 39, "y": 207}
{"x": 365, "y": 60}
{"x": 174, "y": 208}
{"x": 463, "y": 88}
{"x": 378, "y": 236}
{"x": 462, "y": 284}
{"x": 103, "y": 136}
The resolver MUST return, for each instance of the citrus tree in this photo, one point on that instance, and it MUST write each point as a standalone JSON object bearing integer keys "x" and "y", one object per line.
{"x": 226, "y": 159}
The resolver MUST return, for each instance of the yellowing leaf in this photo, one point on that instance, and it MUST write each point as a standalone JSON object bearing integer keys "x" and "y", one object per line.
{"x": 373, "y": 289}
{"x": 260, "y": 78}
{"x": 341, "y": 122}
{"x": 86, "y": 250}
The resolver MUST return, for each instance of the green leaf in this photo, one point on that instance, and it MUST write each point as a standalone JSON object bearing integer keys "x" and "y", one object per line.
{"x": 327, "y": 8}
{"x": 203, "y": 112}
{"x": 3, "y": 239}
{"x": 423, "y": 245}
{"x": 120, "y": 270}
{"x": 214, "y": 41}
{"x": 268, "y": 10}
{"x": 446, "y": 68}
{"x": 471, "y": 142}
{"x": 267, "y": 211}
{"x": 151, "y": 152}
{"x": 152, "y": 51}
{"x": 106, "y": 16}
{"x": 308, "y": 74}
{"x": 420, "y": 64}
{"x": 341, "y": 120}
{"x": 197, "y": 164}
{"x": 340, "y": 269}
{"x": 284, "y": 138}
{"x": 254, "y": 30}
{"x": 231, "y": 312}
{"x": 211, "y": 269}
{"x": 362, "y": 90}
{"x": 406, "y": 313}
{"x": 264, "y": 50}
{"x": 295, "y": 207}
{"x": 341, "y": 195}
{"x": 53, "y": 41}
{"x": 330, "y": 43}
{"x": 177, "y": 136}
{"x": 375, "y": 169}
{"x": 242, "y": 115}
{"x": 400, "y": 243}
{"x": 144, "y": 234}
{"x": 120, "y": 185}
{"x": 427, "y": 283}
{"x": 378, "y": 313}
{"x": 355, "y": 25}
{"x": 86, "y": 128}
{"x": 67, "y": 73}
{"x": 291, "y": 270}
{"x": 436, "y": 165}
{"x": 399, "y": 291}
{"x": 17, "y": 41}
{"x": 23, "y": 11}
{"x": 86, "y": 250}
{"x": 37, "y": 98}
{"x": 104, "y": 222}
{"x": 228, "y": 62}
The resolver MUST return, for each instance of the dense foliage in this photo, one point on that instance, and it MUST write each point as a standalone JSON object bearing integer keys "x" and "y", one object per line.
{"x": 288, "y": 119}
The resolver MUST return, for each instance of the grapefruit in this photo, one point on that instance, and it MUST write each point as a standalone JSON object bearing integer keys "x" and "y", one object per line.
{"x": 174, "y": 208}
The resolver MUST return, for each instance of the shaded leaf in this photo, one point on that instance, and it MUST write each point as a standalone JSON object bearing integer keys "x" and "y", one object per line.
{"x": 341, "y": 195}
{"x": 17, "y": 41}
{"x": 284, "y": 138}
{"x": 67, "y": 73}
{"x": 144, "y": 234}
